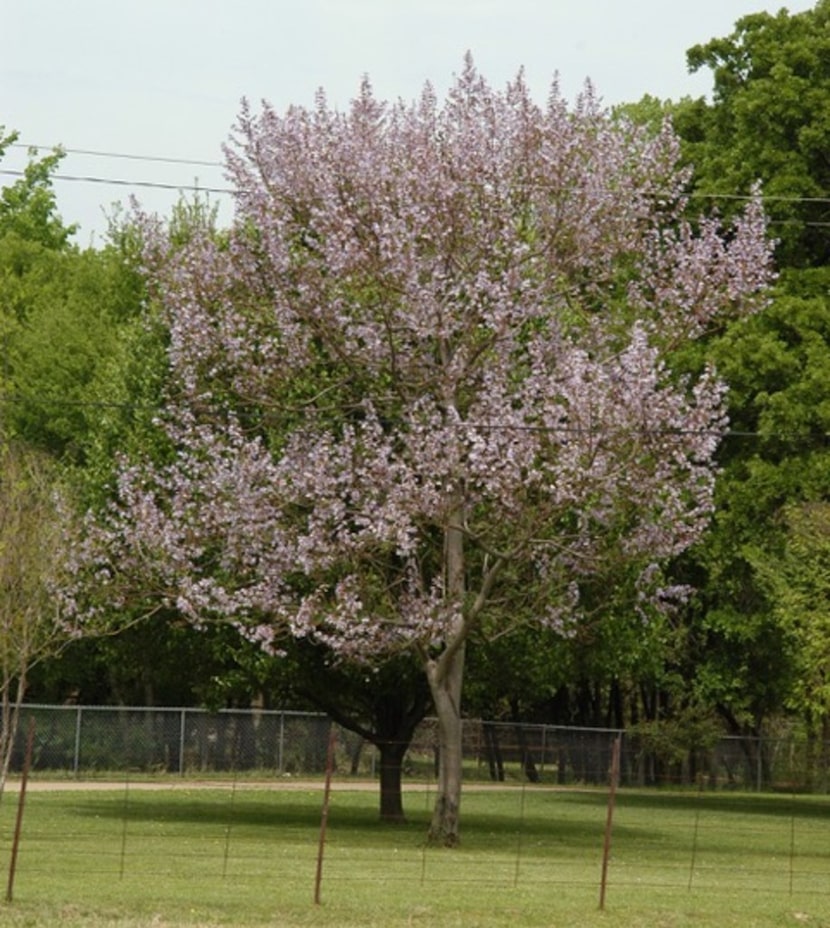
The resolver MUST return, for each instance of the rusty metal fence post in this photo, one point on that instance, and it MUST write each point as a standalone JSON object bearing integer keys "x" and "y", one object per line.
{"x": 609, "y": 820}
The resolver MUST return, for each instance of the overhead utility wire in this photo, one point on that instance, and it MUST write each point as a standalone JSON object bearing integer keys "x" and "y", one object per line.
{"x": 162, "y": 159}
{"x": 118, "y": 182}
{"x": 228, "y": 191}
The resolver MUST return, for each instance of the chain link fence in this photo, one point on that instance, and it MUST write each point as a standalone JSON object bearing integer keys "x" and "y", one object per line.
{"x": 90, "y": 741}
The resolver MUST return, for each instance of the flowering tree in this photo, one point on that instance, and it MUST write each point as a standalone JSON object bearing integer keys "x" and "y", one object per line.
{"x": 420, "y": 384}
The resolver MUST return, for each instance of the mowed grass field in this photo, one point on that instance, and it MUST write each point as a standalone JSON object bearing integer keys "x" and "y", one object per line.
{"x": 246, "y": 855}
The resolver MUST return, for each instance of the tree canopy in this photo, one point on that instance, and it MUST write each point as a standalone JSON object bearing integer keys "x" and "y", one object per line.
{"x": 422, "y": 377}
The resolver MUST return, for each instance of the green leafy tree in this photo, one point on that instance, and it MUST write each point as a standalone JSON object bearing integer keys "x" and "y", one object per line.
{"x": 68, "y": 327}
{"x": 778, "y": 367}
{"x": 796, "y": 579}
{"x": 64, "y": 314}
{"x": 28, "y": 208}
{"x": 769, "y": 119}
{"x": 36, "y": 530}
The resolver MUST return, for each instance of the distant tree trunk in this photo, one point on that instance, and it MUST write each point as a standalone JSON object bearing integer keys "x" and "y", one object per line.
{"x": 562, "y": 760}
{"x": 528, "y": 764}
{"x": 757, "y": 764}
{"x": 616, "y": 706}
{"x": 391, "y": 772}
{"x": 244, "y": 746}
{"x": 355, "y": 755}
{"x": 824, "y": 764}
{"x": 396, "y": 716}
{"x": 492, "y": 749}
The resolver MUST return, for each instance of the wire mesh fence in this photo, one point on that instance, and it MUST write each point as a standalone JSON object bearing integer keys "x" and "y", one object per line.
{"x": 196, "y": 799}
{"x": 91, "y": 741}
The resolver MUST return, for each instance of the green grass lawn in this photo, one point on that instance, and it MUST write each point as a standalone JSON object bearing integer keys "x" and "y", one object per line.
{"x": 235, "y": 856}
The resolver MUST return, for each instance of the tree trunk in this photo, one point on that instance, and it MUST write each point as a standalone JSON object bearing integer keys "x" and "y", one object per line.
{"x": 445, "y": 674}
{"x": 528, "y": 764}
{"x": 391, "y": 798}
{"x": 495, "y": 761}
{"x": 385, "y": 711}
{"x": 11, "y": 709}
{"x": 355, "y": 754}
{"x": 446, "y": 696}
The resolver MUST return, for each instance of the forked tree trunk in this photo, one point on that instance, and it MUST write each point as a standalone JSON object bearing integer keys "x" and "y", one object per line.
{"x": 444, "y": 829}
{"x": 445, "y": 674}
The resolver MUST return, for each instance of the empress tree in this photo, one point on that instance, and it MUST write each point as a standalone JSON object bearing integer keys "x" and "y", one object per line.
{"x": 421, "y": 385}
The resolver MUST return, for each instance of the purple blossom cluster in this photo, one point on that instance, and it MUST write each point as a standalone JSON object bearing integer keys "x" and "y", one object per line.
{"x": 451, "y": 320}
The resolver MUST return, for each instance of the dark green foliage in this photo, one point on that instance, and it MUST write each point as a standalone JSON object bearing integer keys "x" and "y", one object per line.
{"x": 769, "y": 120}
{"x": 778, "y": 455}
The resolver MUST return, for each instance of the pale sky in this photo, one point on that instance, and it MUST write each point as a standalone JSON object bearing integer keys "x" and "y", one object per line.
{"x": 163, "y": 78}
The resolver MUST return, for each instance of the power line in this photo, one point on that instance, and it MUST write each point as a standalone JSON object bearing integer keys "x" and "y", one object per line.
{"x": 765, "y": 198}
{"x": 94, "y": 179}
{"x": 161, "y": 159}
{"x": 228, "y": 191}
{"x": 120, "y": 182}
{"x": 799, "y": 223}
{"x": 164, "y": 159}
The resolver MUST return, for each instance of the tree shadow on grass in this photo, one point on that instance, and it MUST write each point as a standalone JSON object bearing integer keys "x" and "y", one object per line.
{"x": 297, "y": 811}
{"x": 792, "y": 805}
{"x": 483, "y": 828}
{"x": 543, "y": 822}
